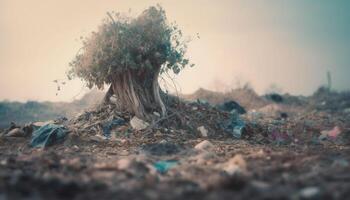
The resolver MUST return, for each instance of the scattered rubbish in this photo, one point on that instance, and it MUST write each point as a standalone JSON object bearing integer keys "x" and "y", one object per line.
{"x": 163, "y": 166}
{"x": 235, "y": 165}
{"x": 331, "y": 134}
{"x": 203, "y": 131}
{"x": 98, "y": 138}
{"x": 203, "y": 102}
{"x": 48, "y": 135}
{"x": 279, "y": 137}
{"x": 231, "y": 106}
{"x": 29, "y": 129}
{"x": 284, "y": 115}
{"x": 156, "y": 114}
{"x": 275, "y": 97}
{"x": 40, "y": 124}
{"x": 340, "y": 163}
{"x": 204, "y": 145}
{"x": 162, "y": 149}
{"x": 106, "y": 127}
{"x": 138, "y": 124}
{"x": 260, "y": 185}
{"x": 310, "y": 193}
{"x": 17, "y": 132}
{"x": 234, "y": 125}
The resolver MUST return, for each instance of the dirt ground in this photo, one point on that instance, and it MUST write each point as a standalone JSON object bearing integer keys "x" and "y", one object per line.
{"x": 277, "y": 158}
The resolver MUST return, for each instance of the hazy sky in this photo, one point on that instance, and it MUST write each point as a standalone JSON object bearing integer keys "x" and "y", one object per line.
{"x": 290, "y": 43}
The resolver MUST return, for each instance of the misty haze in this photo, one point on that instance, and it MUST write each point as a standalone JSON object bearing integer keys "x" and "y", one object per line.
{"x": 165, "y": 99}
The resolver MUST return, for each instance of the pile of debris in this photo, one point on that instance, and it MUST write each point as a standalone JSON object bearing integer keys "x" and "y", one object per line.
{"x": 194, "y": 119}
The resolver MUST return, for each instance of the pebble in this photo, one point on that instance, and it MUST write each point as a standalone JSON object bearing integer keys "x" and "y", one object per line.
{"x": 138, "y": 124}
{"x": 204, "y": 145}
{"x": 203, "y": 131}
{"x": 235, "y": 165}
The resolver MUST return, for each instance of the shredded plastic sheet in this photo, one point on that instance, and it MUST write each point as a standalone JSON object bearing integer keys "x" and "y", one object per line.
{"x": 234, "y": 125}
{"x": 231, "y": 106}
{"x": 106, "y": 127}
{"x": 164, "y": 166}
{"x": 48, "y": 134}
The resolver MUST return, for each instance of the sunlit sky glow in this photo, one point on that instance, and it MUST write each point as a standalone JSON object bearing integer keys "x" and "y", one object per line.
{"x": 288, "y": 43}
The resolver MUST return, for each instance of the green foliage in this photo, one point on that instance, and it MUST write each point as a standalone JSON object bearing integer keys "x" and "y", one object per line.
{"x": 145, "y": 43}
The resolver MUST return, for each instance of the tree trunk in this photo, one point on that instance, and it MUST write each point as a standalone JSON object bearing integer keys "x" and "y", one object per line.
{"x": 137, "y": 93}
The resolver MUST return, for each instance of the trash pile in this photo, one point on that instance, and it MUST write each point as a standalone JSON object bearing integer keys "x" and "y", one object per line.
{"x": 198, "y": 150}
{"x": 196, "y": 119}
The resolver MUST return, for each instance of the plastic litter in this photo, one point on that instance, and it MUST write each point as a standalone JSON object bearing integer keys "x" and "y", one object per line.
{"x": 234, "y": 125}
{"x": 231, "y": 106}
{"x": 106, "y": 127}
{"x": 163, "y": 166}
{"x": 48, "y": 135}
{"x": 331, "y": 134}
{"x": 279, "y": 137}
{"x": 203, "y": 102}
{"x": 275, "y": 97}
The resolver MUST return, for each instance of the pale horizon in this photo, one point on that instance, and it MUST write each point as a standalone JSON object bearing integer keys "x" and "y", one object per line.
{"x": 291, "y": 44}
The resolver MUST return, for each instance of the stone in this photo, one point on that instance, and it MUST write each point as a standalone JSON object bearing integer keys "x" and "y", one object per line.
{"x": 235, "y": 165}
{"x": 125, "y": 163}
{"x": 138, "y": 124}
{"x": 203, "y": 131}
{"x": 204, "y": 157}
{"x": 204, "y": 145}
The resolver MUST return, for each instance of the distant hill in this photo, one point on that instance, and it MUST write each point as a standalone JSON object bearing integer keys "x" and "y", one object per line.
{"x": 32, "y": 111}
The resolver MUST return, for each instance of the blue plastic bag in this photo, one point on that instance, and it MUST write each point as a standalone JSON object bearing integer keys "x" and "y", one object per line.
{"x": 48, "y": 135}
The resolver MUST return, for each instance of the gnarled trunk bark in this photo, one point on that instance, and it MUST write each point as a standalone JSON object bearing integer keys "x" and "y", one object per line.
{"x": 137, "y": 92}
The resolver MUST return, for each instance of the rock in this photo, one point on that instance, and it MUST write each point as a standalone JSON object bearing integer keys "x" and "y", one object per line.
{"x": 125, "y": 163}
{"x": 203, "y": 131}
{"x": 309, "y": 193}
{"x": 204, "y": 145}
{"x": 235, "y": 165}
{"x": 17, "y": 132}
{"x": 204, "y": 157}
{"x": 138, "y": 124}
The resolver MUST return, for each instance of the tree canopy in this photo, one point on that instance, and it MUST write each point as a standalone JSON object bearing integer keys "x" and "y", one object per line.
{"x": 122, "y": 43}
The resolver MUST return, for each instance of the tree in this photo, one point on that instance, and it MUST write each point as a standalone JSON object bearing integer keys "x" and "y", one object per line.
{"x": 128, "y": 54}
